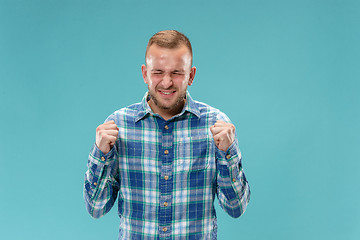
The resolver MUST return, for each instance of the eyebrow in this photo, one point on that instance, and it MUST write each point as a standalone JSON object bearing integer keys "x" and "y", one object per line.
{"x": 175, "y": 71}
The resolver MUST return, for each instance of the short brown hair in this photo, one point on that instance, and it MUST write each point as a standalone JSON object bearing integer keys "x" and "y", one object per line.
{"x": 169, "y": 39}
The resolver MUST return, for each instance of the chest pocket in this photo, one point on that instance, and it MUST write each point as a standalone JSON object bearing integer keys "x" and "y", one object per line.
{"x": 193, "y": 153}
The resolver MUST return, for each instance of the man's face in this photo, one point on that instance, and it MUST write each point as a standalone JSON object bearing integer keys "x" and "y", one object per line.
{"x": 167, "y": 73}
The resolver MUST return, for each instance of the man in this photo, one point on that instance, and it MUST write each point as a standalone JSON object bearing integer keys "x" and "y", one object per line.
{"x": 166, "y": 157}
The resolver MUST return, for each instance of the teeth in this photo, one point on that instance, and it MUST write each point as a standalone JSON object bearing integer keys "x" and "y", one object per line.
{"x": 166, "y": 93}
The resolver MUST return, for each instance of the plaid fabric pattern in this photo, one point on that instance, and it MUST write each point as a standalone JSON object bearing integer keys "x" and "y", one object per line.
{"x": 165, "y": 174}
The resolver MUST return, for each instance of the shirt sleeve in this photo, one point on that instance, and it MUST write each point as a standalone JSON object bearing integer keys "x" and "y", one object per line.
{"x": 233, "y": 190}
{"x": 101, "y": 181}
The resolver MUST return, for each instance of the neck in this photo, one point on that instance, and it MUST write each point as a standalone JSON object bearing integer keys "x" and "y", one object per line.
{"x": 166, "y": 114}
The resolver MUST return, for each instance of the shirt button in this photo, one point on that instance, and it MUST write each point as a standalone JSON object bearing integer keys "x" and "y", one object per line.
{"x": 166, "y": 152}
{"x": 102, "y": 158}
{"x": 165, "y": 204}
{"x": 164, "y": 229}
{"x": 95, "y": 183}
{"x": 234, "y": 180}
{"x": 166, "y": 127}
{"x": 228, "y": 156}
{"x": 166, "y": 177}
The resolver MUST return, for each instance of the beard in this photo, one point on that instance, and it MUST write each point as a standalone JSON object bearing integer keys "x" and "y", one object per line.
{"x": 179, "y": 101}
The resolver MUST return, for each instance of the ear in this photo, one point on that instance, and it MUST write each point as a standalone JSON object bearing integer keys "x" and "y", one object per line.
{"x": 192, "y": 76}
{"x": 144, "y": 73}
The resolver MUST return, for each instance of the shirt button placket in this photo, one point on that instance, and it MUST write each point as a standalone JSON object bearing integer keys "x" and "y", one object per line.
{"x": 166, "y": 184}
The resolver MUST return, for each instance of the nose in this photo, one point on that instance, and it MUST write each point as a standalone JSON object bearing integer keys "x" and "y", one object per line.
{"x": 167, "y": 81}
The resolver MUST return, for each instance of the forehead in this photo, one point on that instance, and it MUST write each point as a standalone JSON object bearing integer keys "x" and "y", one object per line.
{"x": 168, "y": 57}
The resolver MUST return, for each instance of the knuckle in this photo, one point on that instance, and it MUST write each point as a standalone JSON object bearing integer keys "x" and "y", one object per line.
{"x": 100, "y": 127}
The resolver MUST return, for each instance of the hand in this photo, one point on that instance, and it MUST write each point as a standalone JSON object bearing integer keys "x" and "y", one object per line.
{"x": 224, "y": 134}
{"x": 106, "y": 135}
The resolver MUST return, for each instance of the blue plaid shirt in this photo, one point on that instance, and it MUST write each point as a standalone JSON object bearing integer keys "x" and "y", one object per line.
{"x": 165, "y": 174}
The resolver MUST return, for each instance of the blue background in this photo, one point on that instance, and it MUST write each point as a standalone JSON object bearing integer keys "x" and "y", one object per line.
{"x": 286, "y": 73}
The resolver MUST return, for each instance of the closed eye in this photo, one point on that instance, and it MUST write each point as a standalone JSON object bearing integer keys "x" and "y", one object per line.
{"x": 157, "y": 72}
{"x": 178, "y": 73}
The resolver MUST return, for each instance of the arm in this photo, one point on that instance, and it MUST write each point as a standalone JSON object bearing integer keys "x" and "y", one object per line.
{"x": 102, "y": 177}
{"x": 232, "y": 188}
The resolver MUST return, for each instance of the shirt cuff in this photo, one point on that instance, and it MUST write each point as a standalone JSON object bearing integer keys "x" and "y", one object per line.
{"x": 98, "y": 157}
{"x": 231, "y": 156}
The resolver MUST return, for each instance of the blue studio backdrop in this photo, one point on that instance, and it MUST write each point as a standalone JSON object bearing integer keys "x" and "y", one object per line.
{"x": 285, "y": 72}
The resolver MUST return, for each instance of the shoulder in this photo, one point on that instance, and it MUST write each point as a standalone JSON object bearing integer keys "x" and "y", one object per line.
{"x": 207, "y": 111}
{"x": 125, "y": 114}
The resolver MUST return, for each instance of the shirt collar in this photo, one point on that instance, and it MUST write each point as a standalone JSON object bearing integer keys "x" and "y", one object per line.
{"x": 145, "y": 110}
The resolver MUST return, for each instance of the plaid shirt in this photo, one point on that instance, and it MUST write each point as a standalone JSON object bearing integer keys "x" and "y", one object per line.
{"x": 165, "y": 174}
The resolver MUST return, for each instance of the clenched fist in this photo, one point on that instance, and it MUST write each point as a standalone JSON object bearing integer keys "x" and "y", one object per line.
{"x": 106, "y": 135}
{"x": 224, "y": 134}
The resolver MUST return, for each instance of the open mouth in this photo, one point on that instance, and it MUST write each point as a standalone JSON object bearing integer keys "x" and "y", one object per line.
{"x": 167, "y": 92}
